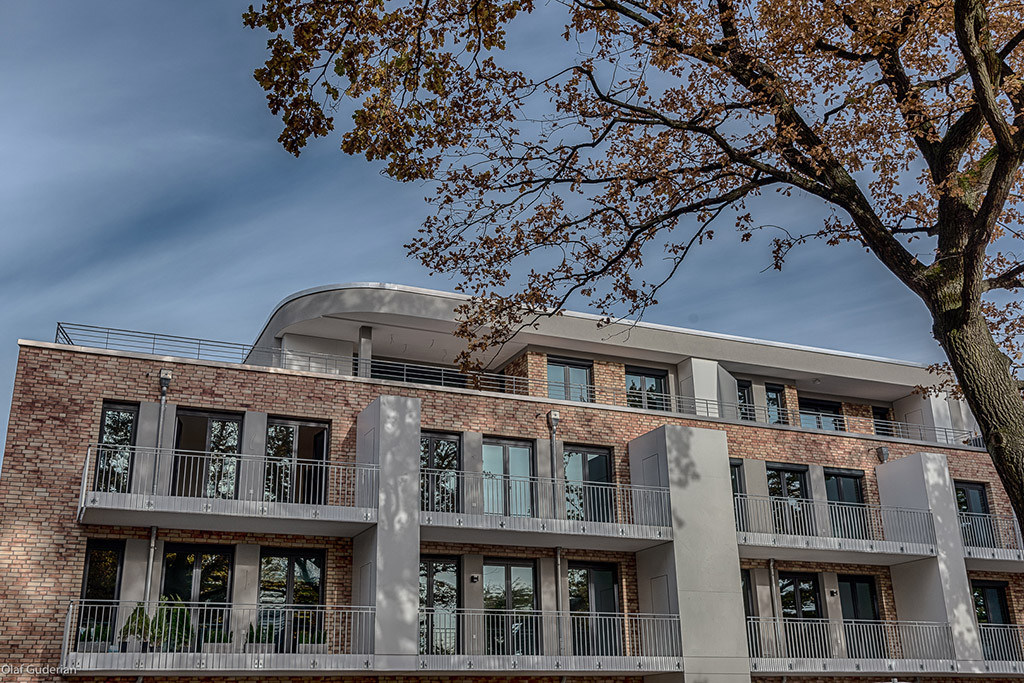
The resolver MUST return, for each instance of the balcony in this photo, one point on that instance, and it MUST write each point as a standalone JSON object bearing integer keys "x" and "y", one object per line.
{"x": 1003, "y": 647}
{"x": 110, "y": 637}
{"x": 226, "y": 492}
{"x": 803, "y": 529}
{"x": 825, "y": 646}
{"x": 528, "y": 640}
{"x": 992, "y": 542}
{"x": 471, "y": 506}
{"x": 452, "y": 377}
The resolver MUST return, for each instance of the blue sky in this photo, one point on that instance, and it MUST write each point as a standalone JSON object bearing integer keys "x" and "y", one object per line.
{"x": 141, "y": 186}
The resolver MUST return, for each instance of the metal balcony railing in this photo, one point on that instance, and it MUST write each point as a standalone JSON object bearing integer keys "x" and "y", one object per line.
{"x": 1002, "y": 642}
{"x": 205, "y": 349}
{"x": 236, "y": 481}
{"x": 805, "y": 517}
{"x": 176, "y": 635}
{"x": 520, "y": 633}
{"x": 990, "y": 531}
{"x": 794, "y": 639}
{"x": 459, "y": 492}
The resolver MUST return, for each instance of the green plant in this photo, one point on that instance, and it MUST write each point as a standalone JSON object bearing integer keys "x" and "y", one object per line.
{"x": 171, "y": 626}
{"x": 138, "y": 625}
{"x": 264, "y": 633}
{"x": 98, "y": 632}
{"x": 314, "y": 637}
{"x": 216, "y": 634}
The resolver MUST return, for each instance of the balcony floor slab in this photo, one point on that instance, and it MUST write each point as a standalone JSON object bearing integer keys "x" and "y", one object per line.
{"x": 852, "y": 666}
{"x": 823, "y": 549}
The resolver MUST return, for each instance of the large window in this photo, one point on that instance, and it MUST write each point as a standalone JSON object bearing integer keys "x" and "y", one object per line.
{"x": 850, "y": 519}
{"x": 510, "y": 589}
{"x": 295, "y": 470}
{"x": 800, "y": 599}
{"x": 775, "y": 397}
{"x": 593, "y": 604}
{"x": 791, "y": 511}
{"x": 114, "y": 454}
{"x": 745, "y": 399}
{"x": 508, "y": 478}
{"x": 440, "y": 461}
{"x": 439, "y": 604}
{"x": 647, "y": 389}
{"x": 993, "y": 610}
{"x": 206, "y": 457}
{"x": 882, "y": 420}
{"x": 291, "y": 587}
{"x": 100, "y": 589}
{"x": 570, "y": 380}
{"x": 195, "y": 574}
{"x": 827, "y": 415}
{"x": 976, "y": 524}
{"x": 589, "y": 494}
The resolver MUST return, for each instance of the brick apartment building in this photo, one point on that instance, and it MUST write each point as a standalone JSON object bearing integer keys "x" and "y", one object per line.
{"x": 610, "y": 504}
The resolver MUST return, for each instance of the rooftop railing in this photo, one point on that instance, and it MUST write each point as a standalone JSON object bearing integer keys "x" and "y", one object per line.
{"x": 990, "y": 531}
{"x": 460, "y": 492}
{"x": 172, "y": 635}
{"x": 210, "y": 350}
{"x": 240, "y": 484}
{"x": 829, "y": 519}
{"x": 824, "y": 639}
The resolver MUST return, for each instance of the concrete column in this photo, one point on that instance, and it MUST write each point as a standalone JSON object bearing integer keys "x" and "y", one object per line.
{"x": 833, "y": 611}
{"x": 388, "y": 432}
{"x": 546, "y": 578}
{"x": 819, "y": 493}
{"x": 148, "y": 462}
{"x": 365, "y": 350}
{"x": 755, "y": 481}
{"x": 698, "y": 386}
{"x": 728, "y": 394}
{"x": 696, "y": 462}
{"x": 548, "y": 502}
{"x": 473, "y": 466}
{"x": 764, "y": 592}
{"x": 245, "y": 589}
{"x": 254, "y": 443}
{"x": 935, "y": 588}
{"x": 472, "y": 598}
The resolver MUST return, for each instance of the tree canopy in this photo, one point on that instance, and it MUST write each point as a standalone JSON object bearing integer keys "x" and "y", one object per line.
{"x": 904, "y": 118}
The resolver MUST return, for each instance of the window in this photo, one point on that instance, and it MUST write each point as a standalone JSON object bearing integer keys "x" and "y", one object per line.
{"x": 114, "y": 454}
{"x": 745, "y": 399}
{"x": 882, "y": 420}
{"x": 291, "y": 586}
{"x": 849, "y": 516}
{"x": 507, "y": 478}
{"x": 844, "y": 486}
{"x": 195, "y": 574}
{"x": 646, "y": 389}
{"x": 570, "y": 379}
{"x": 440, "y": 461}
{"x": 787, "y": 481}
{"x": 295, "y": 470}
{"x": 791, "y": 511}
{"x": 510, "y": 588}
{"x": 800, "y": 599}
{"x": 589, "y": 494}
{"x": 206, "y": 454}
{"x": 976, "y": 525}
{"x": 775, "y": 397}
{"x": 993, "y": 612}
{"x": 748, "y": 593}
{"x": 101, "y": 586}
{"x": 827, "y": 415}
{"x": 594, "y": 594}
{"x": 736, "y": 474}
{"x": 439, "y": 604}
{"x": 859, "y": 600}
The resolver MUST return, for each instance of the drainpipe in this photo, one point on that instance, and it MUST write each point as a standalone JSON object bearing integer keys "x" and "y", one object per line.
{"x": 553, "y": 418}
{"x": 165, "y": 382}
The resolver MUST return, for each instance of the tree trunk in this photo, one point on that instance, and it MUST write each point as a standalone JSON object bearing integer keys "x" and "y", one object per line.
{"x": 992, "y": 393}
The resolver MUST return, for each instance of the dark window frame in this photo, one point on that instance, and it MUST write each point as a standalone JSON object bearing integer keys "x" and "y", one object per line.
{"x": 101, "y": 479}
{"x": 115, "y": 544}
{"x": 977, "y": 486}
{"x": 199, "y": 549}
{"x": 291, "y": 554}
{"x": 508, "y": 562}
{"x": 792, "y": 468}
{"x": 603, "y": 566}
{"x": 660, "y": 401}
{"x": 863, "y": 578}
{"x": 770, "y": 389}
{"x": 796, "y": 577}
{"x": 739, "y": 481}
{"x": 457, "y": 561}
{"x": 565, "y": 384}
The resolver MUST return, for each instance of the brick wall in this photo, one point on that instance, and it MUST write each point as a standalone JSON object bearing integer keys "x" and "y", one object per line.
{"x": 858, "y": 418}
{"x": 610, "y": 383}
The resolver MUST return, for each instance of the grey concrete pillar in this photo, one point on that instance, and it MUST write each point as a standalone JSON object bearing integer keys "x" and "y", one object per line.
{"x": 764, "y": 592}
{"x": 473, "y": 466}
{"x": 388, "y": 432}
{"x": 698, "y": 386}
{"x": 473, "y": 598}
{"x": 755, "y": 477}
{"x": 834, "y": 611}
{"x": 148, "y": 463}
{"x": 819, "y": 494}
{"x": 245, "y": 589}
{"x": 546, "y": 578}
{"x": 254, "y": 443}
{"x": 365, "y": 350}
{"x": 935, "y": 588}
{"x": 707, "y": 575}
{"x": 546, "y": 498}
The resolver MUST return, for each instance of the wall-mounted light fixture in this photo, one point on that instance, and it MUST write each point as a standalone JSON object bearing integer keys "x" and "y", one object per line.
{"x": 883, "y": 453}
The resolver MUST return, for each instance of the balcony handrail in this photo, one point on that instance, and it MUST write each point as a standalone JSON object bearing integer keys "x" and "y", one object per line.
{"x": 167, "y": 628}
{"x": 237, "y": 477}
{"x": 1002, "y": 642}
{"x": 521, "y": 496}
{"x": 985, "y": 530}
{"x": 822, "y": 638}
{"x": 832, "y": 519}
{"x": 453, "y": 377}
